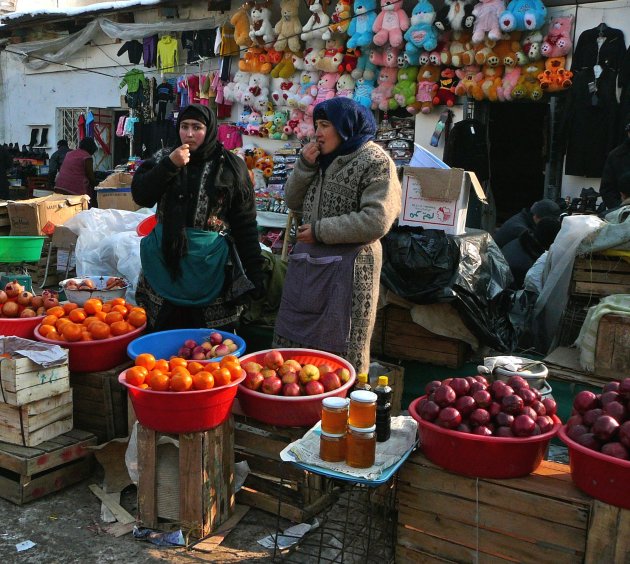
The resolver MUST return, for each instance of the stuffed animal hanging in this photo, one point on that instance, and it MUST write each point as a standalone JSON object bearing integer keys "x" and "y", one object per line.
{"x": 345, "y": 86}
{"x": 363, "y": 91}
{"x": 421, "y": 34}
{"x": 365, "y": 68}
{"x": 316, "y": 26}
{"x": 260, "y": 30}
{"x": 390, "y": 24}
{"x": 557, "y": 42}
{"x": 468, "y": 76}
{"x": 240, "y": 21}
{"x": 445, "y": 94}
{"x": 404, "y": 92}
{"x": 523, "y": 15}
{"x": 289, "y": 27}
{"x": 360, "y": 29}
{"x": 332, "y": 56}
{"x": 384, "y": 86}
{"x": 555, "y": 77}
{"x": 487, "y": 14}
{"x": 456, "y": 15}
{"x": 508, "y": 83}
{"x": 528, "y": 86}
{"x": 531, "y": 44}
{"x": 428, "y": 77}
{"x": 340, "y": 20}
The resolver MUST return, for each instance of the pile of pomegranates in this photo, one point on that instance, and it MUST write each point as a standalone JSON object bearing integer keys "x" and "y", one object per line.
{"x": 500, "y": 409}
{"x": 16, "y": 302}
{"x": 601, "y": 422}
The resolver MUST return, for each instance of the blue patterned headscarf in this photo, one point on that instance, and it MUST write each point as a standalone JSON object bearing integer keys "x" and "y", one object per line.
{"x": 354, "y": 123}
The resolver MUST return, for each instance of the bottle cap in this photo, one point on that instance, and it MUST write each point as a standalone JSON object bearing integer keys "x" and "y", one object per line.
{"x": 363, "y": 396}
{"x": 363, "y": 377}
{"x": 334, "y": 435}
{"x": 362, "y": 429}
{"x": 335, "y": 403}
{"x": 383, "y": 380}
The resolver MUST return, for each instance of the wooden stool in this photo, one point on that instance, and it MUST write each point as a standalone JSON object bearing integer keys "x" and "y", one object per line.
{"x": 191, "y": 484}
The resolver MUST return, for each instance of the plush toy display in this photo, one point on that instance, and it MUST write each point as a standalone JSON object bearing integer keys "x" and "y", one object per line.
{"x": 250, "y": 61}
{"x": 333, "y": 55}
{"x": 509, "y": 81}
{"x": 421, "y": 34}
{"x": 445, "y": 94}
{"x": 233, "y": 91}
{"x": 325, "y": 89}
{"x": 404, "y": 92}
{"x": 508, "y": 52}
{"x": 390, "y": 24}
{"x": 360, "y": 28}
{"x": 340, "y": 20}
{"x": 307, "y": 91}
{"x": 522, "y": 15}
{"x": 316, "y": 26}
{"x": 528, "y": 86}
{"x": 285, "y": 68}
{"x": 428, "y": 77}
{"x": 305, "y": 129}
{"x": 257, "y": 95}
{"x": 384, "y": 85}
{"x": 254, "y": 123}
{"x": 295, "y": 116}
{"x": 456, "y": 15}
{"x": 345, "y": 86}
{"x": 388, "y": 57}
{"x": 557, "y": 42}
{"x": 260, "y": 29}
{"x": 363, "y": 89}
{"x": 531, "y": 44}
{"x": 277, "y": 131}
{"x": 268, "y": 59}
{"x": 487, "y": 14}
{"x": 365, "y": 68}
{"x": 460, "y": 50}
{"x": 312, "y": 57}
{"x": 289, "y": 27}
{"x": 555, "y": 77}
{"x": 282, "y": 88}
{"x": 350, "y": 61}
{"x": 484, "y": 51}
{"x": 240, "y": 21}
{"x": 468, "y": 76}
{"x": 486, "y": 88}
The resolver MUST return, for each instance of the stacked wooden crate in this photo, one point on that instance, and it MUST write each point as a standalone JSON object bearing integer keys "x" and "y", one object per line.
{"x": 600, "y": 275}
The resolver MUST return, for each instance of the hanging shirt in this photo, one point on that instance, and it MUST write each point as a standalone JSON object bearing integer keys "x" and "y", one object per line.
{"x": 130, "y": 123}
{"x": 81, "y": 127}
{"x": 193, "y": 88}
{"x": 89, "y": 124}
{"x": 164, "y": 92}
{"x": 149, "y": 50}
{"x": 134, "y": 49}
{"x": 133, "y": 80}
{"x": 167, "y": 54}
{"x": 182, "y": 90}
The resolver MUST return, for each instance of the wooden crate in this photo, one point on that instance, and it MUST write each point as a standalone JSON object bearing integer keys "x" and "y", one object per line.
{"x": 396, "y": 335}
{"x": 273, "y": 485}
{"x": 444, "y": 517}
{"x": 100, "y": 403}
{"x": 612, "y": 351}
{"x": 28, "y": 473}
{"x": 24, "y": 381}
{"x": 191, "y": 484}
{"x": 600, "y": 275}
{"x": 36, "y": 422}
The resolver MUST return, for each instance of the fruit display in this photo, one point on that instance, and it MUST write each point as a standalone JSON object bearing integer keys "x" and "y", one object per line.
{"x": 601, "y": 422}
{"x": 16, "y": 302}
{"x": 287, "y": 377}
{"x": 88, "y": 285}
{"x": 472, "y": 405}
{"x": 95, "y": 320}
{"x": 213, "y": 346}
{"x": 180, "y": 375}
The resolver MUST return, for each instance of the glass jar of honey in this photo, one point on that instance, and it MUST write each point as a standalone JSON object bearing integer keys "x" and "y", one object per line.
{"x": 332, "y": 447}
{"x": 361, "y": 446}
{"x": 362, "y": 409}
{"x": 334, "y": 415}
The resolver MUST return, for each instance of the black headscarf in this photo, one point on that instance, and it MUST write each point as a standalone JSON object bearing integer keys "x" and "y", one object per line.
{"x": 174, "y": 240}
{"x": 354, "y": 123}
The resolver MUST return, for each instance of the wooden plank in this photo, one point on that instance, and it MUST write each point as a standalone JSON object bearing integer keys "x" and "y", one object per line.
{"x": 273, "y": 488}
{"x": 608, "y": 538}
{"x": 405, "y": 554}
{"x": 210, "y": 543}
{"x": 410, "y": 352}
{"x": 147, "y": 503}
{"x": 33, "y": 415}
{"x": 37, "y": 436}
{"x": 270, "y": 504}
{"x": 55, "y": 480}
{"x": 21, "y": 380}
{"x": 34, "y": 393}
{"x": 191, "y": 479}
{"x": 613, "y": 343}
{"x": 606, "y": 265}
{"x": 600, "y": 289}
{"x": 601, "y": 277}
{"x": 110, "y": 501}
{"x": 266, "y": 466}
{"x": 396, "y": 334}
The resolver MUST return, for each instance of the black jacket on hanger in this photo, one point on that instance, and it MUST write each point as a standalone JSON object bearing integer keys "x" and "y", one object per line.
{"x": 134, "y": 48}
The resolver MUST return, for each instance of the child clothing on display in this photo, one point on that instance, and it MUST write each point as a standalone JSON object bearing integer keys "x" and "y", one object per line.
{"x": 81, "y": 127}
{"x": 229, "y": 136}
{"x": 167, "y": 54}
{"x": 193, "y": 88}
{"x": 132, "y": 80}
{"x": 228, "y": 48}
{"x": 89, "y": 124}
{"x": 204, "y": 90}
{"x": 130, "y": 124}
{"x": 149, "y": 50}
{"x": 182, "y": 90}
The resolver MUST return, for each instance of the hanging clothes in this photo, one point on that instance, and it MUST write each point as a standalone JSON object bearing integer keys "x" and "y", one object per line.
{"x": 149, "y": 50}
{"x": 182, "y": 90}
{"x": 134, "y": 50}
{"x": 89, "y": 124}
{"x": 204, "y": 90}
{"x": 81, "y": 127}
{"x": 228, "y": 48}
{"x": 167, "y": 54}
{"x": 193, "y": 88}
{"x": 624, "y": 99}
{"x": 133, "y": 80}
{"x": 590, "y": 127}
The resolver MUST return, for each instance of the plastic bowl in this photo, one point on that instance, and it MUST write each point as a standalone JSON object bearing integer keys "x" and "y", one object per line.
{"x": 92, "y": 356}
{"x": 21, "y": 249}
{"x": 20, "y": 326}
{"x": 165, "y": 344}
{"x": 81, "y": 296}
{"x": 146, "y": 226}
{"x": 599, "y": 475}
{"x": 294, "y": 411}
{"x": 481, "y": 457}
{"x": 182, "y": 412}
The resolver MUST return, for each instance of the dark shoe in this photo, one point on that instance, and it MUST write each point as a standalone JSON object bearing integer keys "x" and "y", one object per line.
{"x": 34, "y": 135}
{"x": 44, "y": 140}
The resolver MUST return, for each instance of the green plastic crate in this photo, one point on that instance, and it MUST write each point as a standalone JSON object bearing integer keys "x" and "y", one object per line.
{"x": 21, "y": 249}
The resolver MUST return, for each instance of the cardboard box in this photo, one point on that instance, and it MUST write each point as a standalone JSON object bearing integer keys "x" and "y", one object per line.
{"x": 39, "y": 216}
{"x": 115, "y": 193}
{"x": 437, "y": 198}
{"x": 117, "y": 180}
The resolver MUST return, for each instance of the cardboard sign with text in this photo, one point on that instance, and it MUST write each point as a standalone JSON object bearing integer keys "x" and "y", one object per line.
{"x": 437, "y": 198}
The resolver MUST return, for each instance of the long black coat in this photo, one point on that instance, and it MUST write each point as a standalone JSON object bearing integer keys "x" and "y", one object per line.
{"x": 591, "y": 119}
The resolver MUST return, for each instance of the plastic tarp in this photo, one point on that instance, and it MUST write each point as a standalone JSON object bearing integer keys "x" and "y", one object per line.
{"x": 469, "y": 271}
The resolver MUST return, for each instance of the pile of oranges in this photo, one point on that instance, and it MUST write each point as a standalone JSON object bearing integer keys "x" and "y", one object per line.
{"x": 96, "y": 320}
{"x": 181, "y": 375}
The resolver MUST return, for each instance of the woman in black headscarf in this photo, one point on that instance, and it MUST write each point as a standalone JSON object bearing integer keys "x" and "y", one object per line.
{"x": 346, "y": 189}
{"x": 202, "y": 191}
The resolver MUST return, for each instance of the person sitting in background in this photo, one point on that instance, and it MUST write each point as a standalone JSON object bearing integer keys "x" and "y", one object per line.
{"x": 617, "y": 163}
{"x": 76, "y": 176}
{"x": 525, "y": 220}
{"x": 6, "y": 161}
{"x": 622, "y": 212}
{"x": 521, "y": 253}
{"x": 56, "y": 160}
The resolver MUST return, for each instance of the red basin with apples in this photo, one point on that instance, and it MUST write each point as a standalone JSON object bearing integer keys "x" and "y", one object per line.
{"x": 601, "y": 476}
{"x": 292, "y": 411}
{"x": 478, "y": 456}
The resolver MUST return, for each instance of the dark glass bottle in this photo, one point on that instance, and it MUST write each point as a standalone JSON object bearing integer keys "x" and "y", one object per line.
{"x": 383, "y": 409}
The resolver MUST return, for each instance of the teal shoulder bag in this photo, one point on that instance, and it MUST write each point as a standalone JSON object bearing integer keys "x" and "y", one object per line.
{"x": 202, "y": 269}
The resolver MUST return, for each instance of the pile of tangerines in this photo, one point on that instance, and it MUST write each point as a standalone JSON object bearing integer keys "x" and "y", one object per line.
{"x": 96, "y": 320}
{"x": 181, "y": 375}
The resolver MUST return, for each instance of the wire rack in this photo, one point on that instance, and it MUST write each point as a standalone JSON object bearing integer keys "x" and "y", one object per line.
{"x": 573, "y": 319}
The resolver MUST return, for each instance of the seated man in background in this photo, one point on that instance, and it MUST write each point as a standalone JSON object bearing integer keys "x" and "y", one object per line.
{"x": 622, "y": 212}
{"x": 524, "y": 220}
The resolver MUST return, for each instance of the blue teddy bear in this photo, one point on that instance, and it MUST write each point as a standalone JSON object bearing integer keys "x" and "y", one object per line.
{"x": 523, "y": 15}
{"x": 363, "y": 91}
{"x": 360, "y": 29}
{"x": 421, "y": 35}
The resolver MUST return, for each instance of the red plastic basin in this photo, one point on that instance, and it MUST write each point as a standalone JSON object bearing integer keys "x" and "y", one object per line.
{"x": 146, "y": 226}
{"x": 20, "y": 327}
{"x": 481, "y": 457}
{"x": 601, "y": 476}
{"x": 294, "y": 411}
{"x": 93, "y": 356}
{"x": 182, "y": 412}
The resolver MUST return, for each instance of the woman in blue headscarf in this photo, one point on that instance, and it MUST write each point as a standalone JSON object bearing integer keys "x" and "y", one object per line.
{"x": 346, "y": 189}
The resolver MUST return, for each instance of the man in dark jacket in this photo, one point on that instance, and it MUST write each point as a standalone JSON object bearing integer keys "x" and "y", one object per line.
{"x": 617, "y": 162}
{"x": 54, "y": 165}
{"x": 525, "y": 220}
{"x": 6, "y": 162}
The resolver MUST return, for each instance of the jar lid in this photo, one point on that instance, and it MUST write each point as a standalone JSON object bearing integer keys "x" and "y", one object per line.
{"x": 383, "y": 381}
{"x": 335, "y": 435}
{"x": 362, "y": 429}
{"x": 362, "y": 377}
{"x": 335, "y": 403}
{"x": 363, "y": 396}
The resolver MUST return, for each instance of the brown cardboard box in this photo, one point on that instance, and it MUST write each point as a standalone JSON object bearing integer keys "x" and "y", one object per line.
{"x": 115, "y": 193}
{"x": 39, "y": 216}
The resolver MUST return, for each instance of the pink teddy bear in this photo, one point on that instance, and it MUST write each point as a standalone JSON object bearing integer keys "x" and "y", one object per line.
{"x": 305, "y": 128}
{"x": 390, "y": 24}
{"x": 487, "y": 13}
{"x": 295, "y": 117}
{"x": 325, "y": 89}
{"x": 558, "y": 42}
{"x": 384, "y": 87}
